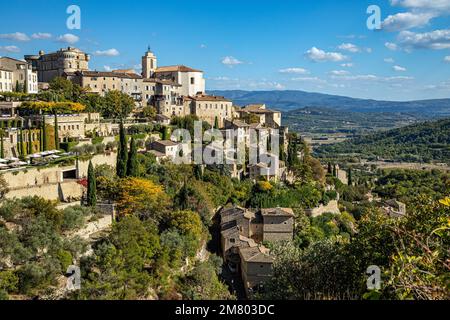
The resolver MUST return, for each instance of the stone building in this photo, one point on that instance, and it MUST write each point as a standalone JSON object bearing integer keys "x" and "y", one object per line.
{"x": 101, "y": 82}
{"x": 56, "y": 64}
{"x": 278, "y": 224}
{"x": 256, "y": 267}
{"x": 23, "y": 78}
{"x": 208, "y": 108}
{"x": 6, "y": 80}
{"x": 268, "y": 118}
{"x": 242, "y": 231}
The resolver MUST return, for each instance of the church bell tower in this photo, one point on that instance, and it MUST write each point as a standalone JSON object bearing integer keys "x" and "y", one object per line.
{"x": 149, "y": 64}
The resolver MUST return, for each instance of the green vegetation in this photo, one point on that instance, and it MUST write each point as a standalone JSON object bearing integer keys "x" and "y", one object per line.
{"x": 132, "y": 164}
{"x": 425, "y": 142}
{"x": 33, "y": 247}
{"x": 91, "y": 187}
{"x": 122, "y": 153}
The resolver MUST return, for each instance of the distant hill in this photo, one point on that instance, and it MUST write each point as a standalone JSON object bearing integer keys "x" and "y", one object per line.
{"x": 294, "y": 99}
{"x": 328, "y": 121}
{"x": 421, "y": 142}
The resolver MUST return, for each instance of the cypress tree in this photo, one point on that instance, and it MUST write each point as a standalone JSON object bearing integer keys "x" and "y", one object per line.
{"x": 198, "y": 172}
{"x": 182, "y": 197}
{"x": 2, "y": 148}
{"x": 30, "y": 142}
{"x": 23, "y": 149}
{"x": 334, "y": 171}
{"x": 216, "y": 123}
{"x": 350, "y": 177}
{"x": 91, "y": 187}
{"x": 330, "y": 168}
{"x": 44, "y": 135}
{"x": 166, "y": 133}
{"x": 132, "y": 165}
{"x": 56, "y": 132}
{"x": 122, "y": 154}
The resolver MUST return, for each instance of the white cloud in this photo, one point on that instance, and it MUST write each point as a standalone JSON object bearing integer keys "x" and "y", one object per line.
{"x": 347, "y": 65}
{"x": 231, "y": 61}
{"x": 399, "y": 68}
{"x": 17, "y": 36}
{"x": 406, "y": 20}
{"x": 203, "y": 46}
{"x": 294, "y": 70}
{"x": 309, "y": 79}
{"x": 107, "y": 68}
{"x": 41, "y": 36}
{"x": 350, "y": 47}
{"x": 436, "y": 40}
{"x": 107, "y": 53}
{"x": 440, "y": 86}
{"x": 371, "y": 77}
{"x": 339, "y": 72}
{"x": 222, "y": 78}
{"x": 433, "y": 5}
{"x": 447, "y": 59}
{"x": 68, "y": 38}
{"x": 266, "y": 85}
{"x": 389, "y": 60}
{"x": 391, "y": 46}
{"x": 319, "y": 55}
{"x": 9, "y": 49}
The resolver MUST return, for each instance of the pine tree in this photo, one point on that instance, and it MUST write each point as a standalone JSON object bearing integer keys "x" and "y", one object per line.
{"x": 91, "y": 187}
{"x": 122, "y": 153}
{"x": 132, "y": 165}
{"x": 56, "y": 132}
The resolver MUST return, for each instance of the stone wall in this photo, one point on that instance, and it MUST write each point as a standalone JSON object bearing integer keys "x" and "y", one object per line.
{"x": 332, "y": 207}
{"x": 49, "y": 183}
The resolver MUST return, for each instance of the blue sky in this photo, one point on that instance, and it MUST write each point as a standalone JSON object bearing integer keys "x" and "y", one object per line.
{"x": 320, "y": 46}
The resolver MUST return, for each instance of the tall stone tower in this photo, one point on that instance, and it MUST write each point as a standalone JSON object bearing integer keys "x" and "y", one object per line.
{"x": 149, "y": 64}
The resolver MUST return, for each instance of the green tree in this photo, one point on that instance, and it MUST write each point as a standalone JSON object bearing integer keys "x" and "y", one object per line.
{"x": 56, "y": 131}
{"x": 117, "y": 105}
{"x": 2, "y": 147}
{"x": 30, "y": 141}
{"x": 92, "y": 186}
{"x": 44, "y": 135}
{"x": 166, "y": 133}
{"x": 122, "y": 153}
{"x": 216, "y": 123}
{"x": 132, "y": 165}
{"x": 350, "y": 177}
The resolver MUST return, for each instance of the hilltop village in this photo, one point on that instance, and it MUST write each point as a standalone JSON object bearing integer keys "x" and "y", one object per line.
{"x": 88, "y": 176}
{"x": 48, "y": 145}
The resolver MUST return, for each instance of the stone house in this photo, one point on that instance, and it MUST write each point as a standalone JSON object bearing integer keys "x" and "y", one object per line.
{"x": 243, "y": 230}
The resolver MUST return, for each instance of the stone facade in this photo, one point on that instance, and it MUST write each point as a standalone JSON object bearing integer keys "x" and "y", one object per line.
{"x": 6, "y": 80}
{"x": 56, "y": 64}
{"x": 53, "y": 183}
{"x": 102, "y": 82}
{"x": 241, "y": 232}
{"x": 22, "y": 74}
